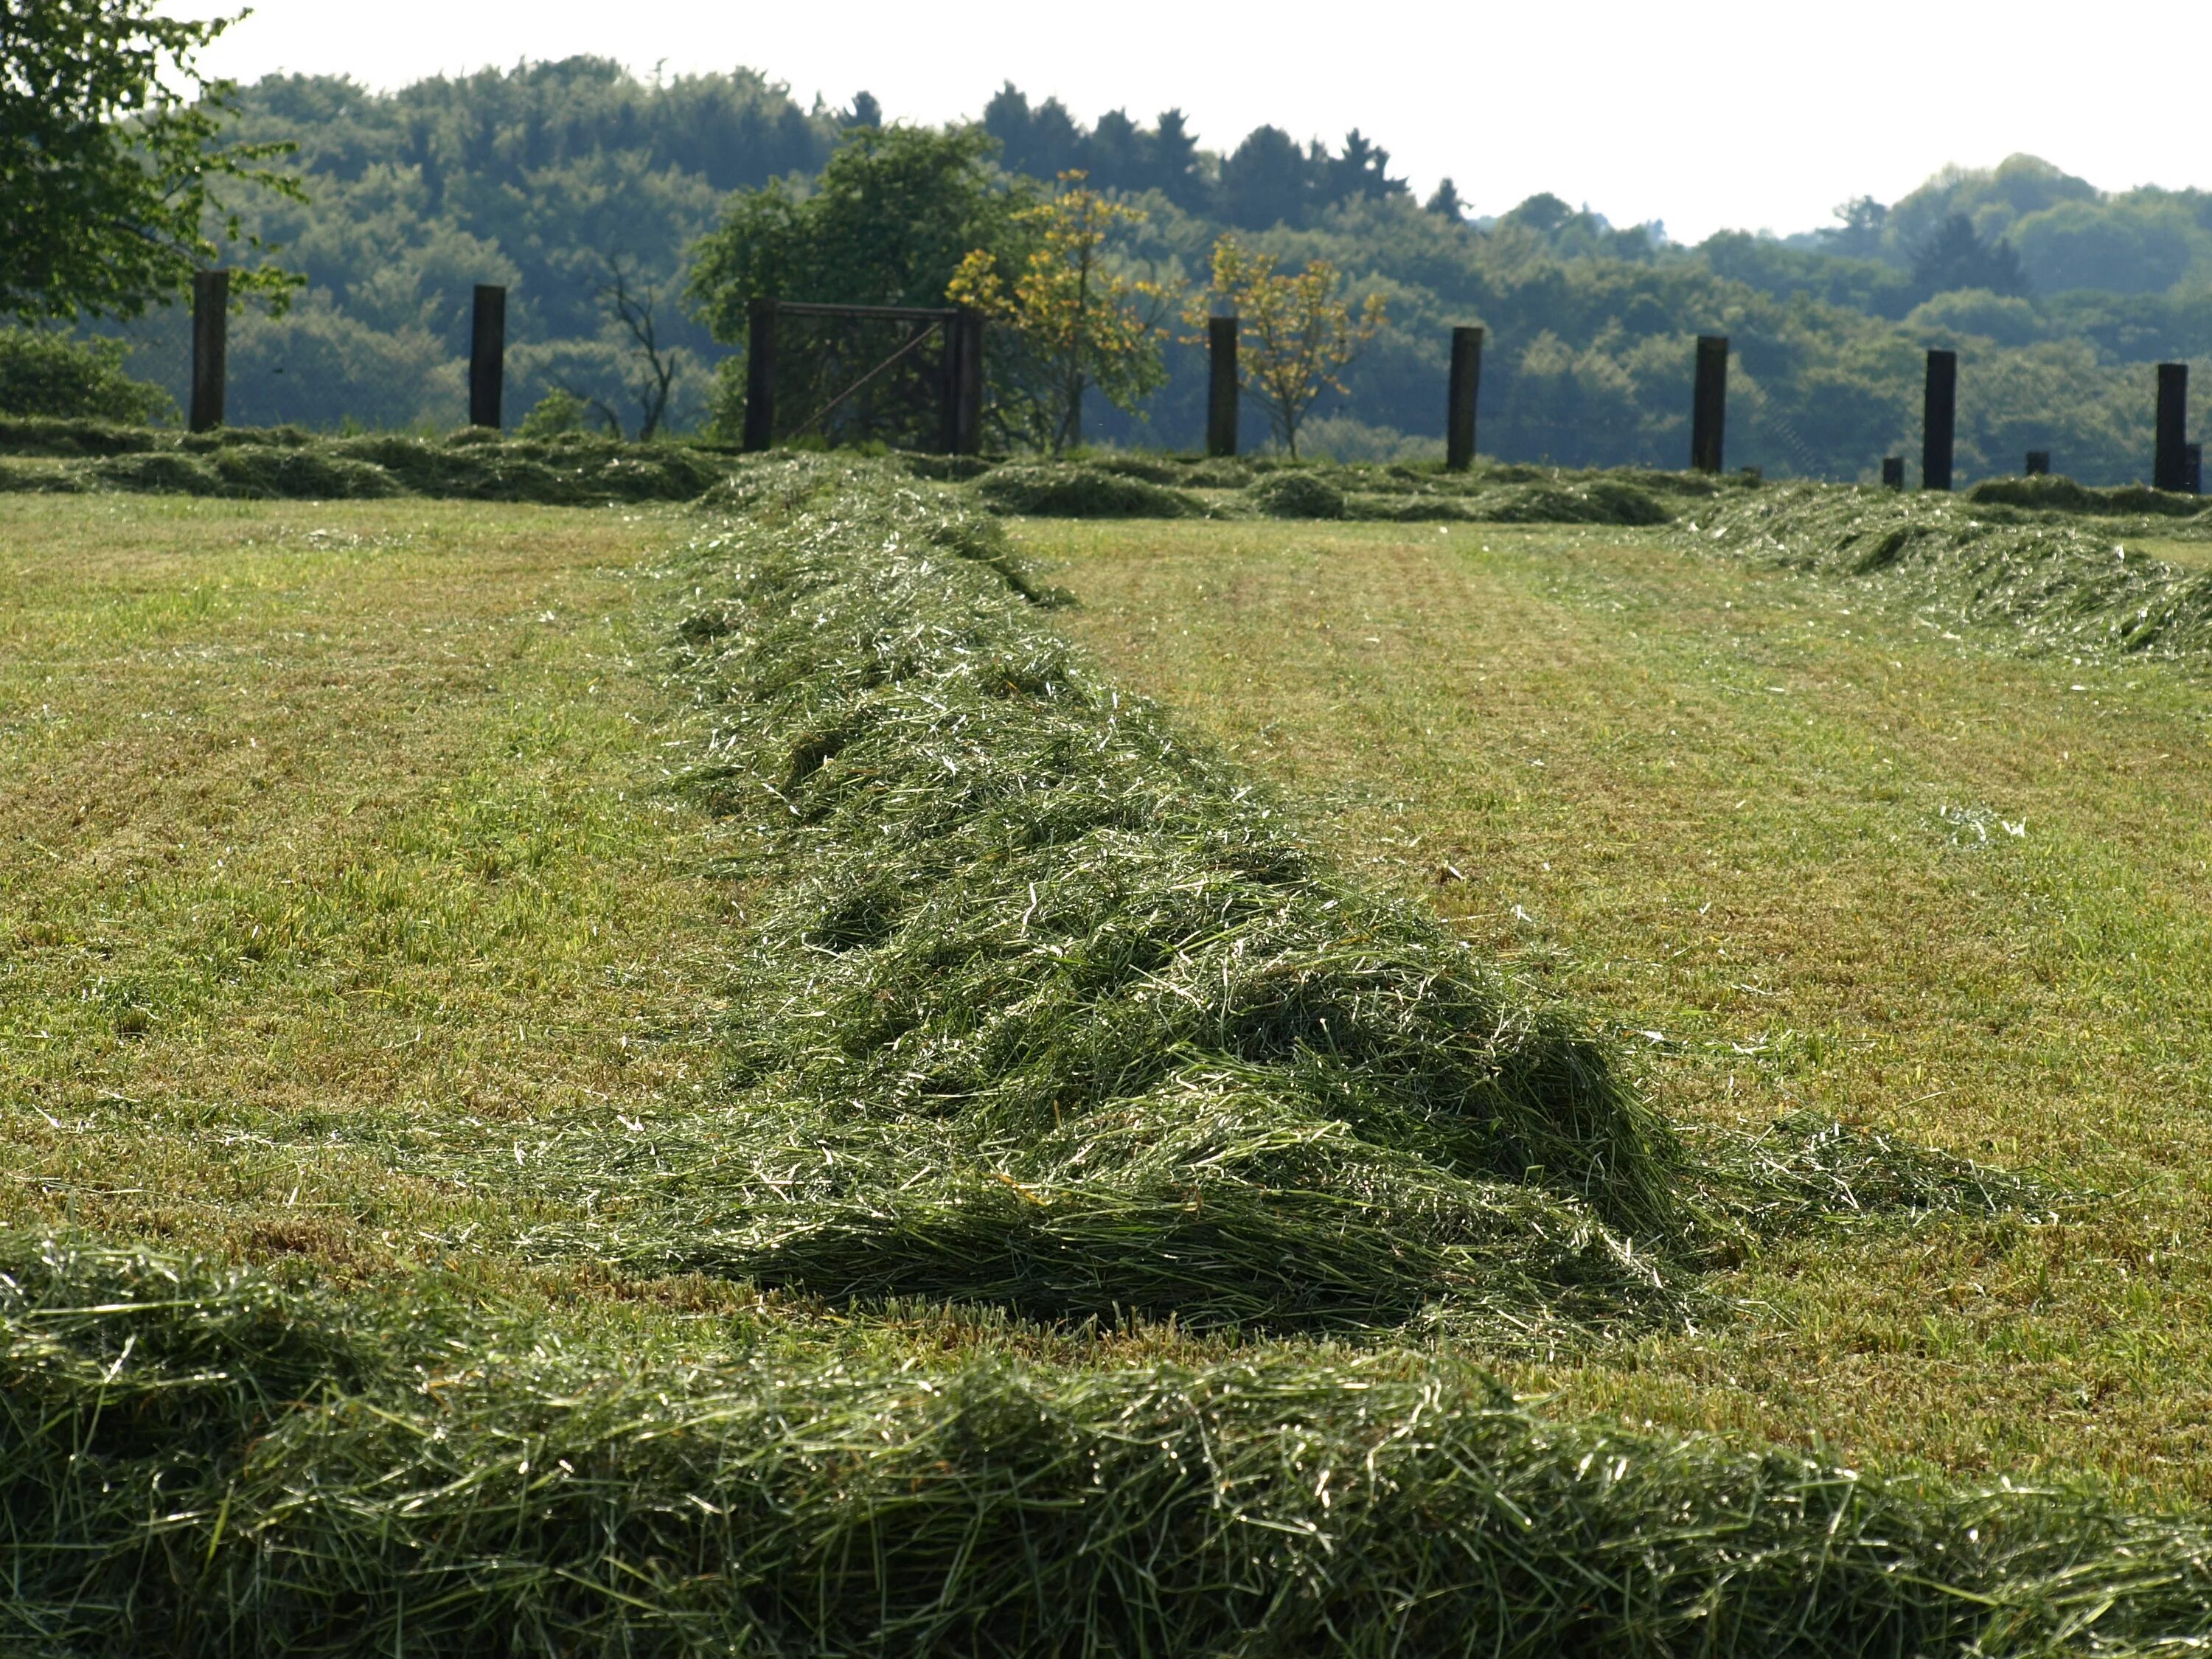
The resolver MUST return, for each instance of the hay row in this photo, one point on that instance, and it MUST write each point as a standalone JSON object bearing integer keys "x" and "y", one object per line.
{"x": 2044, "y": 559}
{"x": 1047, "y": 1007}
{"x": 196, "y": 1462}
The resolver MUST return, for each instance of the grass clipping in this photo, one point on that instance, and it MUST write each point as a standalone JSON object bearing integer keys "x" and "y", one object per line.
{"x": 1045, "y": 1007}
{"x": 2054, "y": 582}
{"x": 283, "y": 463}
{"x": 199, "y": 1461}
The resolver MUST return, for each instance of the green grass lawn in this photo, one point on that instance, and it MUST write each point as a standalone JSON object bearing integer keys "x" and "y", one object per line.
{"x": 335, "y": 828}
{"x": 324, "y": 824}
{"x": 1797, "y": 855}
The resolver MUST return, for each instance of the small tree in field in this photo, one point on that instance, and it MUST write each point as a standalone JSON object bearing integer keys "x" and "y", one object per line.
{"x": 1298, "y": 332}
{"x": 1076, "y": 323}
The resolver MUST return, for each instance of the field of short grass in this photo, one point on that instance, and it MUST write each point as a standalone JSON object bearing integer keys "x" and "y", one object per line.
{"x": 1797, "y": 853}
{"x": 322, "y": 823}
{"x": 331, "y": 827}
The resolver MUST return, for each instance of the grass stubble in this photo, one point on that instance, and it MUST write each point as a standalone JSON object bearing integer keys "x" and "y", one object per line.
{"x": 1212, "y": 1019}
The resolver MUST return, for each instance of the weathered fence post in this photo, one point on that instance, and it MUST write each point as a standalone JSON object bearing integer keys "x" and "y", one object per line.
{"x": 2170, "y": 464}
{"x": 1221, "y": 387}
{"x": 210, "y": 343}
{"x": 1940, "y": 423}
{"x": 2039, "y": 463}
{"x": 760, "y": 375}
{"x": 1459, "y": 410}
{"x": 1893, "y": 472}
{"x": 968, "y": 419}
{"x": 1709, "y": 403}
{"x": 488, "y": 357}
{"x": 962, "y": 407}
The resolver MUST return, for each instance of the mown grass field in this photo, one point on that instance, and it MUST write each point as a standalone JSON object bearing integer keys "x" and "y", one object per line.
{"x": 333, "y": 830}
{"x": 324, "y": 824}
{"x": 1796, "y": 853}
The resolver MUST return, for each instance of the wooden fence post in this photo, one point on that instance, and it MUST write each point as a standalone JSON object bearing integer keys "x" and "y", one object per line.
{"x": 962, "y": 427}
{"x": 760, "y": 375}
{"x": 1709, "y": 403}
{"x": 2170, "y": 464}
{"x": 1939, "y": 422}
{"x": 967, "y": 424}
{"x": 2039, "y": 463}
{"x": 1893, "y": 472}
{"x": 488, "y": 357}
{"x": 1459, "y": 410}
{"x": 1221, "y": 387}
{"x": 211, "y": 345}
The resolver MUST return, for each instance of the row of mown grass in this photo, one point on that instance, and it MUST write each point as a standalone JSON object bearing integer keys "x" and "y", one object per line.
{"x": 206, "y": 1462}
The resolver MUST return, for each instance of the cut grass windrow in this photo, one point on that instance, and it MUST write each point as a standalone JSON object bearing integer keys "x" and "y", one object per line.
{"x": 198, "y": 1461}
{"x": 1035, "y": 1005}
{"x": 1994, "y": 558}
{"x": 1045, "y": 1007}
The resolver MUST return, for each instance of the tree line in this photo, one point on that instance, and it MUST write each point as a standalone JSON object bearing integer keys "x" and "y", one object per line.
{"x": 599, "y": 199}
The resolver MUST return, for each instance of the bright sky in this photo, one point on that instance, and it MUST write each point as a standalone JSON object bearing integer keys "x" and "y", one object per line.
{"x": 1741, "y": 113}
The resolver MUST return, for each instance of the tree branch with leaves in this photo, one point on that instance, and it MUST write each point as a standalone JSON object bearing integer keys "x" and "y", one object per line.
{"x": 1077, "y": 323}
{"x": 111, "y": 162}
{"x": 1297, "y": 332}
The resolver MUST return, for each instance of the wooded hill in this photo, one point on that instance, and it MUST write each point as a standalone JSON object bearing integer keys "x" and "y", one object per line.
{"x": 568, "y": 181}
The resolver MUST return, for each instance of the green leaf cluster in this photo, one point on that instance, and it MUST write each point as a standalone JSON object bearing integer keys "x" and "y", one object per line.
{"x": 112, "y": 159}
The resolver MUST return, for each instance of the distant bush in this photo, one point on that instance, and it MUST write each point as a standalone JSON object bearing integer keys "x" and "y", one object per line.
{"x": 51, "y": 374}
{"x": 1976, "y": 312}
{"x": 558, "y": 413}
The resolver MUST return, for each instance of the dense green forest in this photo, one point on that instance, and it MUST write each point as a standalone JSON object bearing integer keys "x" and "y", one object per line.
{"x": 585, "y": 189}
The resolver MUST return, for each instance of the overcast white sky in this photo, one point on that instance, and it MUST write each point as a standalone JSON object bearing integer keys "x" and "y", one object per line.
{"x": 1733, "y": 113}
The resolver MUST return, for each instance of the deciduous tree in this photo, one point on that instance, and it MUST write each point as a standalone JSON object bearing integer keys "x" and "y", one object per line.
{"x": 1298, "y": 332}
{"x": 888, "y": 222}
{"x": 1077, "y": 322}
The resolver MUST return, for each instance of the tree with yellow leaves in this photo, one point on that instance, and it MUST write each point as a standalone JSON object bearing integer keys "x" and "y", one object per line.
{"x": 1076, "y": 322}
{"x": 1297, "y": 332}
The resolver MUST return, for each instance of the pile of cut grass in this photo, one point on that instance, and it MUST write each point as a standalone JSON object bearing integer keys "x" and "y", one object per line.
{"x": 76, "y": 457}
{"x": 1588, "y": 501}
{"x": 282, "y": 463}
{"x": 1047, "y": 1008}
{"x": 201, "y": 1462}
{"x": 1300, "y": 495}
{"x": 1146, "y": 487}
{"x": 1071, "y": 491}
{"x": 2051, "y": 493}
{"x": 2052, "y": 582}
